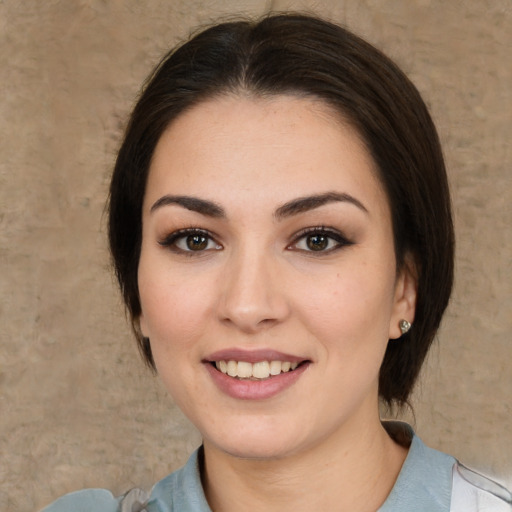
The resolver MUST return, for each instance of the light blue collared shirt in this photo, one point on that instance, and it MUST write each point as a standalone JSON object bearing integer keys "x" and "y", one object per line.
{"x": 429, "y": 481}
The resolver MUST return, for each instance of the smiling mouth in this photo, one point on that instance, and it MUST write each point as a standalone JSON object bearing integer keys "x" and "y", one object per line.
{"x": 260, "y": 370}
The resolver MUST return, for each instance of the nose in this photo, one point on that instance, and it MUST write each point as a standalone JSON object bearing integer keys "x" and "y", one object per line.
{"x": 253, "y": 297}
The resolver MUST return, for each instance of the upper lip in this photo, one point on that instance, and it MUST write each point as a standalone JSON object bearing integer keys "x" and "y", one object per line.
{"x": 252, "y": 356}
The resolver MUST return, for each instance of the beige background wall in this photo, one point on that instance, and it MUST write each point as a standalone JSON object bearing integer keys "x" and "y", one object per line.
{"x": 77, "y": 409}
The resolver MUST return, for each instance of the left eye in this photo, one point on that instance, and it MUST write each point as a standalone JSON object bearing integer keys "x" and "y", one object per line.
{"x": 319, "y": 241}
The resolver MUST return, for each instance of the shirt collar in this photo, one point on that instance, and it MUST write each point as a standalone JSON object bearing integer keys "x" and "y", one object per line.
{"x": 423, "y": 485}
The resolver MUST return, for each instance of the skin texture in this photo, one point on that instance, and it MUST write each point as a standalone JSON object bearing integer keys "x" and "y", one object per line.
{"x": 255, "y": 284}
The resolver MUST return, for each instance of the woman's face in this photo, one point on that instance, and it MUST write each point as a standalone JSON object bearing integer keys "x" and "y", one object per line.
{"x": 267, "y": 246}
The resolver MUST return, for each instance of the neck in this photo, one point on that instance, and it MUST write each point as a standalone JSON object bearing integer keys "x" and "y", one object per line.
{"x": 355, "y": 469}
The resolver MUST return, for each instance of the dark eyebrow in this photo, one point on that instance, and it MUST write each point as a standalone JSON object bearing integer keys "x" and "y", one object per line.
{"x": 304, "y": 204}
{"x": 194, "y": 204}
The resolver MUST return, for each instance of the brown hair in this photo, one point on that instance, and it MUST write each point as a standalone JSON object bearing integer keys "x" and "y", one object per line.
{"x": 297, "y": 54}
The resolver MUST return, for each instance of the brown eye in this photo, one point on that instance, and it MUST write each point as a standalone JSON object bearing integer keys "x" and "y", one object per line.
{"x": 196, "y": 242}
{"x": 317, "y": 242}
{"x": 190, "y": 241}
{"x": 320, "y": 240}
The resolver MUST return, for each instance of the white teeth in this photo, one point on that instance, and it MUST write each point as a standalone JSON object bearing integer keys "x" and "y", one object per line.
{"x": 232, "y": 368}
{"x": 275, "y": 367}
{"x": 259, "y": 370}
{"x": 244, "y": 370}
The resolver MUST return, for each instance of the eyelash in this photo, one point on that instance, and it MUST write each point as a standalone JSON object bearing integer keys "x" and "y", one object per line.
{"x": 171, "y": 240}
{"x": 330, "y": 235}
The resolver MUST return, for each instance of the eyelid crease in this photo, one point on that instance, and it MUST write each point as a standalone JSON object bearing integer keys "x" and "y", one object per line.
{"x": 183, "y": 232}
{"x": 322, "y": 230}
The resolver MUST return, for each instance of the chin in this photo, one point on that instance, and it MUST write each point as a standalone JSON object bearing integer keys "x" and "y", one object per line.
{"x": 257, "y": 452}
{"x": 256, "y": 445}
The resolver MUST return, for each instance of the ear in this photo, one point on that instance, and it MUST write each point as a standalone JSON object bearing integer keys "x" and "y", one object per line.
{"x": 406, "y": 290}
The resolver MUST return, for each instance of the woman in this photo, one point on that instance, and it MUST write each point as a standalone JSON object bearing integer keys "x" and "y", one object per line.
{"x": 281, "y": 230}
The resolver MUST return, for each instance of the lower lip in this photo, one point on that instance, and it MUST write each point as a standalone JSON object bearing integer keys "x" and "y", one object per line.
{"x": 255, "y": 389}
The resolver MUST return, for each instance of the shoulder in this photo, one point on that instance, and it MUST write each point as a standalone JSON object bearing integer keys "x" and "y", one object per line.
{"x": 432, "y": 481}
{"x": 86, "y": 500}
{"x": 101, "y": 500}
{"x": 472, "y": 491}
{"x": 179, "y": 491}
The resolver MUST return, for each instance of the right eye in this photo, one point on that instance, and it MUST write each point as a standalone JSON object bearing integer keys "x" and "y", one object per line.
{"x": 190, "y": 240}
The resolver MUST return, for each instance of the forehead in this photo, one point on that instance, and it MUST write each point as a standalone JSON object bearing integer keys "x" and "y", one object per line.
{"x": 261, "y": 148}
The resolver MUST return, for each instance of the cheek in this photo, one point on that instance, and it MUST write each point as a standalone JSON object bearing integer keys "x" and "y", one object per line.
{"x": 350, "y": 308}
{"x": 173, "y": 310}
